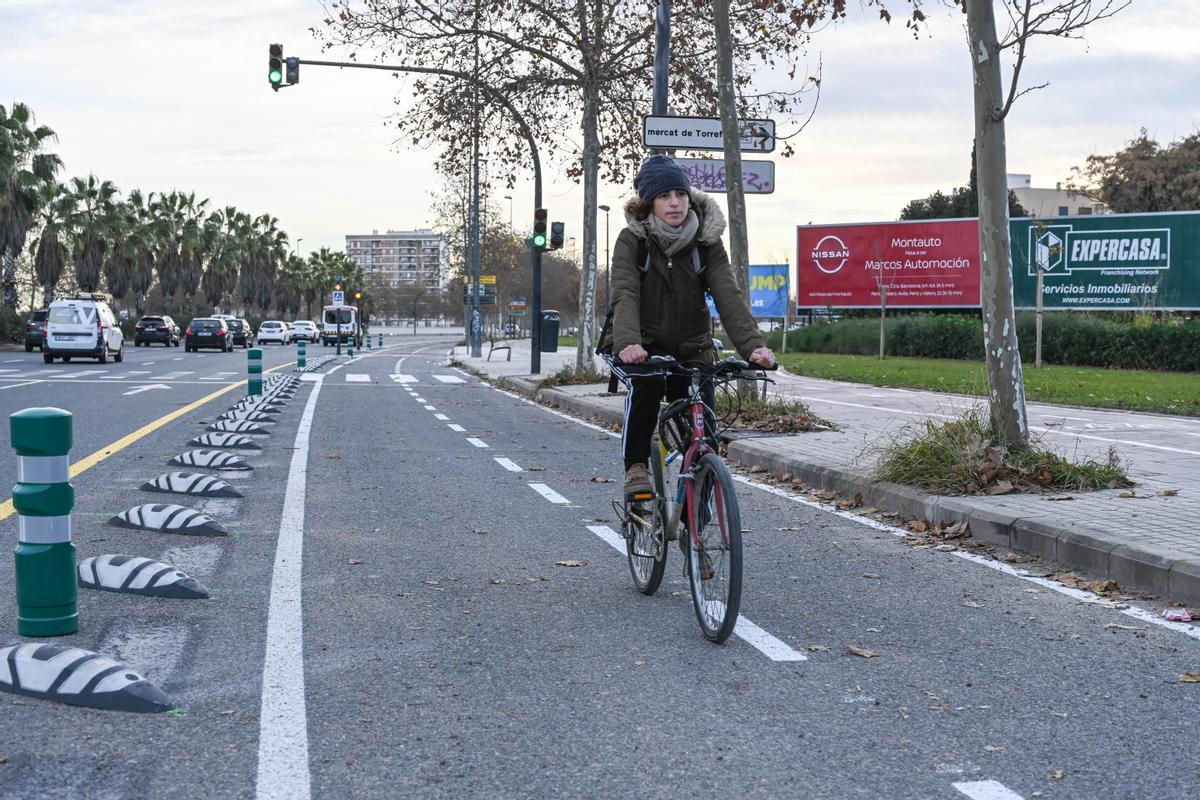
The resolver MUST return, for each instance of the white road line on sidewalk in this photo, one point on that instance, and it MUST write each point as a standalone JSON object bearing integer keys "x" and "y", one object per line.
{"x": 508, "y": 464}
{"x": 456, "y": 428}
{"x": 430, "y": 408}
{"x": 442, "y": 417}
{"x": 548, "y": 493}
{"x": 16, "y": 385}
{"x": 283, "y": 770}
{"x": 986, "y": 790}
{"x": 747, "y": 631}
{"x": 477, "y": 442}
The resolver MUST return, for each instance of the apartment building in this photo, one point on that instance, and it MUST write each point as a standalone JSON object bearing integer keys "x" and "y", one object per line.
{"x": 402, "y": 258}
{"x": 1056, "y": 202}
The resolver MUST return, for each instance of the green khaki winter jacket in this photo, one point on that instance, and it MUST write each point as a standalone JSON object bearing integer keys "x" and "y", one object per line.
{"x": 663, "y": 308}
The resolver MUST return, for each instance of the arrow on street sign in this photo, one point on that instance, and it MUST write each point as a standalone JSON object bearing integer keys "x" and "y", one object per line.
{"x": 704, "y": 133}
{"x": 147, "y": 388}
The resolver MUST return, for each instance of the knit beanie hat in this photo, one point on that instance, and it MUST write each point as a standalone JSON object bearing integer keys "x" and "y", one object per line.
{"x": 659, "y": 173}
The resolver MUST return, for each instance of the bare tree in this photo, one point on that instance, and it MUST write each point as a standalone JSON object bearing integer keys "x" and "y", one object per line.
{"x": 1027, "y": 19}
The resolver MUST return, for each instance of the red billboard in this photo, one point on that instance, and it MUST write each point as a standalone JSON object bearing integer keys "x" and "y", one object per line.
{"x": 926, "y": 264}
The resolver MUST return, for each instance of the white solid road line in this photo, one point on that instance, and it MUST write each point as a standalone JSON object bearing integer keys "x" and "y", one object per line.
{"x": 477, "y": 442}
{"x": 17, "y": 385}
{"x": 770, "y": 646}
{"x": 509, "y": 464}
{"x": 986, "y": 790}
{"x": 548, "y": 493}
{"x": 442, "y": 417}
{"x": 449, "y": 379}
{"x": 456, "y": 428}
{"x": 283, "y": 770}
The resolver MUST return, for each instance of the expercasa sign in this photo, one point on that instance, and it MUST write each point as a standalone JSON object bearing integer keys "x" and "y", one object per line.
{"x": 926, "y": 264}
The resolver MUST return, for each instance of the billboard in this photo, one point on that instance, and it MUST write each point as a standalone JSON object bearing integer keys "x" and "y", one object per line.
{"x": 1112, "y": 262}
{"x": 769, "y": 290}
{"x": 922, "y": 264}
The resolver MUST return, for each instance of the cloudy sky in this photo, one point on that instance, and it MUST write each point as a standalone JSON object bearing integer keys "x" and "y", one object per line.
{"x": 164, "y": 94}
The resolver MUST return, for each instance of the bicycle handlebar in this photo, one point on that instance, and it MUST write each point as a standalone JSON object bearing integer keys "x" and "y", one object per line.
{"x": 668, "y": 365}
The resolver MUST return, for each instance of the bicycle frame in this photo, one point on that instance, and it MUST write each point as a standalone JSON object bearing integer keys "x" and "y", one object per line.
{"x": 697, "y": 446}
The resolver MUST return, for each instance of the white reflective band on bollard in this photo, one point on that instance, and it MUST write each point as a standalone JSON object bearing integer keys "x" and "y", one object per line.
{"x": 43, "y": 469}
{"x": 44, "y": 530}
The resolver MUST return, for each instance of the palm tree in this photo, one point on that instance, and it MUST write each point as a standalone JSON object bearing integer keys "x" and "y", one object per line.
{"x": 226, "y": 242}
{"x": 191, "y": 246}
{"x": 24, "y": 170}
{"x": 168, "y": 214}
{"x": 140, "y": 241}
{"x": 268, "y": 248}
{"x": 50, "y": 251}
{"x": 91, "y": 228}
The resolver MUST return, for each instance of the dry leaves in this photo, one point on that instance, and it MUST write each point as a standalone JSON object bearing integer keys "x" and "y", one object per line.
{"x": 570, "y": 562}
{"x": 1095, "y": 586}
{"x": 1132, "y": 495}
{"x": 1056, "y": 775}
{"x": 918, "y": 526}
{"x": 853, "y": 502}
{"x": 1168, "y": 493}
{"x": 354, "y": 562}
{"x": 861, "y": 652}
{"x": 599, "y": 479}
{"x": 1059, "y": 497}
{"x": 1001, "y": 487}
{"x": 334, "y": 455}
{"x": 1190, "y": 677}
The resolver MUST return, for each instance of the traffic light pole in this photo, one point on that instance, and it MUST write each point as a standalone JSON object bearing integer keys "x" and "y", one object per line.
{"x": 535, "y": 256}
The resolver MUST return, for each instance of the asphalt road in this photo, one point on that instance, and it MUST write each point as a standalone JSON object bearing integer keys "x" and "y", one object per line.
{"x": 442, "y": 651}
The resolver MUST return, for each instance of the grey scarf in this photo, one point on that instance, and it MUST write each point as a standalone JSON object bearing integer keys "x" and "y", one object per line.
{"x": 673, "y": 238}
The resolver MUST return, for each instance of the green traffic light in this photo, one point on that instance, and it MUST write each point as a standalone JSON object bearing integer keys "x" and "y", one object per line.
{"x": 539, "y": 240}
{"x": 275, "y": 76}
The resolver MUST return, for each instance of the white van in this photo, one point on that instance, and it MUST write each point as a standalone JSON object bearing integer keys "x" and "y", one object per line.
{"x": 82, "y": 325}
{"x": 340, "y": 324}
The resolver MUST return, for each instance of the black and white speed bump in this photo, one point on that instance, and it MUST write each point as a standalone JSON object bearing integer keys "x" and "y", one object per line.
{"x": 168, "y": 518}
{"x": 77, "y": 677}
{"x": 191, "y": 483}
{"x": 256, "y": 408}
{"x": 234, "y": 440}
{"x": 213, "y": 459}
{"x": 137, "y": 575}
{"x": 240, "y": 426}
{"x": 247, "y": 415}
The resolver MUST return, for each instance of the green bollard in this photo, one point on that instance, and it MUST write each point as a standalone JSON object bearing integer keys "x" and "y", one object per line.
{"x": 254, "y": 370}
{"x": 44, "y": 497}
{"x": 368, "y": 339}
{"x": 350, "y": 346}
{"x": 301, "y": 361}
{"x": 381, "y": 340}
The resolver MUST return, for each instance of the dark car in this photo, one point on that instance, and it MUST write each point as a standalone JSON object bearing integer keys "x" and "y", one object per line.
{"x": 35, "y": 330}
{"x": 208, "y": 332}
{"x": 243, "y": 334}
{"x": 156, "y": 329}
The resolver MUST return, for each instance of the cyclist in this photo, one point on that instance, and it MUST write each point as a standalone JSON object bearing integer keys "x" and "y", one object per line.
{"x": 666, "y": 258}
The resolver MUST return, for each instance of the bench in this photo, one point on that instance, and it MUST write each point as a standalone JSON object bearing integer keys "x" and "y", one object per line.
{"x": 493, "y": 346}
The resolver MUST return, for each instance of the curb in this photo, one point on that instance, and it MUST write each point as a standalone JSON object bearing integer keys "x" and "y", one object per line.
{"x": 1144, "y": 568}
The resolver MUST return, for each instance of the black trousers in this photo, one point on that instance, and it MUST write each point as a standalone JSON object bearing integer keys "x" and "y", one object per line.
{"x": 642, "y": 409}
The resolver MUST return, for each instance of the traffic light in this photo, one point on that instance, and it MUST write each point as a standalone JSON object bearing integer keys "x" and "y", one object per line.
{"x": 539, "y": 229}
{"x": 275, "y": 66}
{"x": 358, "y": 295}
{"x": 556, "y": 235}
{"x": 337, "y": 285}
{"x": 293, "y": 70}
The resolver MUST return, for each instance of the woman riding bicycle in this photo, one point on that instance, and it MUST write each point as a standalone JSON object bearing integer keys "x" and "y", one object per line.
{"x": 665, "y": 259}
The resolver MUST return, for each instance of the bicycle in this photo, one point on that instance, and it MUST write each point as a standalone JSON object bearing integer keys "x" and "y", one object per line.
{"x": 704, "y": 494}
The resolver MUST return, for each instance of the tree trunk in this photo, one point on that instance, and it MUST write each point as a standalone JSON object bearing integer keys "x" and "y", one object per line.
{"x": 8, "y": 281}
{"x": 587, "y": 285}
{"x": 739, "y": 256}
{"x": 1005, "y": 382}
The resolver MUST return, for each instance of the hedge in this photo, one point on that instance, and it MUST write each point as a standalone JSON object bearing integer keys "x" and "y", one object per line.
{"x": 1067, "y": 339}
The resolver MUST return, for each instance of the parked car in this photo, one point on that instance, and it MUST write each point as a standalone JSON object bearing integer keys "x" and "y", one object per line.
{"x": 156, "y": 329}
{"x": 273, "y": 330}
{"x": 35, "y": 330}
{"x": 510, "y": 329}
{"x": 82, "y": 326}
{"x": 242, "y": 333}
{"x": 304, "y": 329}
{"x": 208, "y": 332}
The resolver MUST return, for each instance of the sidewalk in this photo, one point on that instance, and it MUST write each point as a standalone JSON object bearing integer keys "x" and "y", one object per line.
{"x": 1148, "y": 543}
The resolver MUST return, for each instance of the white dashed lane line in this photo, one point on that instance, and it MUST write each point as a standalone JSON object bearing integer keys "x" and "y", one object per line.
{"x": 548, "y": 493}
{"x": 986, "y": 790}
{"x": 442, "y": 417}
{"x": 509, "y": 464}
{"x": 430, "y": 408}
{"x": 456, "y": 428}
{"x": 477, "y": 442}
{"x": 449, "y": 379}
{"x": 419, "y": 399}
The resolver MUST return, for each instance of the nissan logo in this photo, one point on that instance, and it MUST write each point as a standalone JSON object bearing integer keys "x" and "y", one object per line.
{"x": 830, "y": 254}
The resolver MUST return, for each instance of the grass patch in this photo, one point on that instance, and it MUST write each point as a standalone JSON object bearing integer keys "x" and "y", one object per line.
{"x": 572, "y": 375}
{"x": 965, "y": 456}
{"x": 1134, "y": 390}
{"x": 769, "y": 416}
{"x": 568, "y": 341}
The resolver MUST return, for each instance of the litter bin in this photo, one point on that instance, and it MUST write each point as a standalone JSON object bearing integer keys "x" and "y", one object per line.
{"x": 549, "y": 331}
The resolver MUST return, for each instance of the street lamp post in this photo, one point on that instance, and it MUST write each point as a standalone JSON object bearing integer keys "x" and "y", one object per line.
{"x": 508, "y": 197}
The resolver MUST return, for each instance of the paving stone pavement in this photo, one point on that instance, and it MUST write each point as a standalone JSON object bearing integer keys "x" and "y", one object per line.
{"x": 1149, "y": 543}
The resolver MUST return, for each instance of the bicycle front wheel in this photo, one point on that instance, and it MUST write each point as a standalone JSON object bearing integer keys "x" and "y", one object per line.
{"x": 645, "y": 543}
{"x": 715, "y": 549}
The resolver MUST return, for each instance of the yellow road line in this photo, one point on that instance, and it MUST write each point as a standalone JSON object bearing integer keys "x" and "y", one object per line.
{"x": 86, "y": 463}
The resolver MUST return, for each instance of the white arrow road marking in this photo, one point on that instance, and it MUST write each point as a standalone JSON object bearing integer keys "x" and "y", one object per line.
{"x": 986, "y": 790}
{"x": 508, "y": 464}
{"x": 548, "y": 493}
{"x": 401, "y": 378}
{"x": 449, "y": 379}
{"x": 146, "y": 388}
{"x": 357, "y": 377}
{"x": 456, "y": 428}
{"x": 477, "y": 442}
{"x": 442, "y": 417}
{"x": 747, "y": 631}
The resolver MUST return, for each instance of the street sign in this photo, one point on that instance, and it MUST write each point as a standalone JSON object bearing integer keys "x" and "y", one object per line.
{"x": 516, "y": 312}
{"x": 488, "y": 279}
{"x": 708, "y": 174}
{"x": 482, "y": 291}
{"x": 704, "y": 133}
{"x": 339, "y": 298}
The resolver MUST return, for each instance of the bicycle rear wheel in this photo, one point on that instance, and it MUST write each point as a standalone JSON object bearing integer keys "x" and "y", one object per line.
{"x": 645, "y": 543}
{"x": 715, "y": 565}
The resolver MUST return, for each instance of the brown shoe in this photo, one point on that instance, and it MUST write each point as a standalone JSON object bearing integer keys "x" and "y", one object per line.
{"x": 637, "y": 482}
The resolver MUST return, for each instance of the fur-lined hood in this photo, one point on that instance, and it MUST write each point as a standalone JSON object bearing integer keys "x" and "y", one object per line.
{"x": 712, "y": 219}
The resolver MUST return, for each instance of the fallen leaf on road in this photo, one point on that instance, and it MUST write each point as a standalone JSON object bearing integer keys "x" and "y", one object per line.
{"x": 871, "y": 575}
{"x": 991, "y": 748}
{"x": 796, "y": 528}
{"x": 1056, "y": 775}
{"x": 861, "y": 651}
{"x": 1119, "y": 627}
{"x": 853, "y": 502}
{"x": 536, "y": 469}
{"x": 495, "y": 581}
{"x": 1101, "y": 587}
{"x": 1168, "y": 493}
{"x": 334, "y": 455}
{"x": 479, "y": 530}
{"x": 1057, "y": 497}
{"x": 598, "y": 479}
{"x": 1190, "y": 677}
{"x": 1132, "y": 495}
{"x": 918, "y": 526}
{"x": 570, "y": 562}
{"x": 353, "y": 562}
{"x": 970, "y": 604}
{"x": 758, "y": 468}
